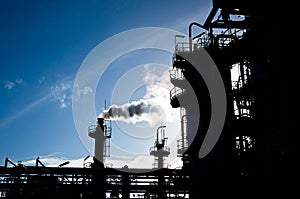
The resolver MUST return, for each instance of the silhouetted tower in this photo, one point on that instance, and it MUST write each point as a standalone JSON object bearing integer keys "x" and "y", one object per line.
{"x": 102, "y": 134}
{"x": 160, "y": 150}
{"x": 238, "y": 35}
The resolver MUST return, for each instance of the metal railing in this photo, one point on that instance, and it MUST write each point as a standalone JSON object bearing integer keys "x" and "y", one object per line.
{"x": 186, "y": 47}
{"x": 176, "y": 91}
{"x": 92, "y": 128}
{"x": 107, "y": 131}
{"x": 176, "y": 74}
{"x": 182, "y": 146}
{"x": 107, "y": 148}
{"x": 154, "y": 149}
{"x": 239, "y": 84}
{"x": 165, "y": 165}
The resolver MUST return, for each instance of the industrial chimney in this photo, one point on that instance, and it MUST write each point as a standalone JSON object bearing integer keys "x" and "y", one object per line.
{"x": 97, "y": 132}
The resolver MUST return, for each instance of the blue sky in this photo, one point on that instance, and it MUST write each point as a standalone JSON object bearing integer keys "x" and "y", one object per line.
{"x": 43, "y": 44}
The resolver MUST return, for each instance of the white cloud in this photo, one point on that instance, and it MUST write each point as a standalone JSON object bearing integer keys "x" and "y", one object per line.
{"x": 154, "y": 107}
{"x": 83, "y": 91}
{"x": 138, "y": 162}
{"x": 46, "y": 161}
{"x": 12, "y": 84}
{"x": 19, "y": 81}
{"x": 9, "y": 85}
{"x": 62, "y": 93}
{"x": 157, "y": 91}
{"x": 42, "y": 80}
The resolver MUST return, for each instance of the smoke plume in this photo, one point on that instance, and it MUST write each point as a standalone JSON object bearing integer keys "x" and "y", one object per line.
{"x": 154, "y": 107}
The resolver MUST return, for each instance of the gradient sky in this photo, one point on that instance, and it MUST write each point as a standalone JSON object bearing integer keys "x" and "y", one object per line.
{"x": 42, "y": 45}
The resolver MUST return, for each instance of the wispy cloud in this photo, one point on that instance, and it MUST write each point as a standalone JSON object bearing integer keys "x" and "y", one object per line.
{"x": 54, "y": 159}
{"x": 23, "y": 111}
{"x": 8, "y": 84}
{"x": 19, "y": 81}
{"x": 83, "y": 91}
{"x": 62, "y": 93}
{"x": 42, "y": 79}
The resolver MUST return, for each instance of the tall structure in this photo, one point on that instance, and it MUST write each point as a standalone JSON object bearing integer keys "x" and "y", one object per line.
{"x": 160, "y": 150}
{"x": 239, "y": 36}
{"x": 102, "y": 134}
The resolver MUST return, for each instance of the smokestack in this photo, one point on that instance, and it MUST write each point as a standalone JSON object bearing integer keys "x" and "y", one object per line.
{"x": 97, "y": 132}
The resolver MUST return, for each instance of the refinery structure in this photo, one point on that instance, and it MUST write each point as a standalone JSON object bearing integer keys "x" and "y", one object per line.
{"x": 239, "y": 37}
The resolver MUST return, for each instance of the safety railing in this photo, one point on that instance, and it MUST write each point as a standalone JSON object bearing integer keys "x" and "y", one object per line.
{"x": 165, "y": 165}
{"x": 176, "y": 74}
{"x": 175, "y": 92}
{"x": 186, "y": 47}
{"x": 154, "y": 149}
{"x": 92, "y": 128}
{"x": 182, "y": 146}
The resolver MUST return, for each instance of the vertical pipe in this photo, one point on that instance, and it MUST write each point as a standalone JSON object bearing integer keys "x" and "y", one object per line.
{"x": 6, "y": 160}
{"x": 183, "y": 132}
{"x": 190, "y": 33}
{"x": 37, "y": 162}
{"x": 99, "y": 143}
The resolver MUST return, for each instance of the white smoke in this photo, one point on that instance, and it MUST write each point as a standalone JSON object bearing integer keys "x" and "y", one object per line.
{"x": 154, "y": 107}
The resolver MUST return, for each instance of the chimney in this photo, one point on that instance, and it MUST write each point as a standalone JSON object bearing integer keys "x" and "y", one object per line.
{"x": 97, "y": 132}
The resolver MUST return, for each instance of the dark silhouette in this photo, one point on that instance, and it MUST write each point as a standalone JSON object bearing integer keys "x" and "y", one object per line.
{"x": 254, "y": 141}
